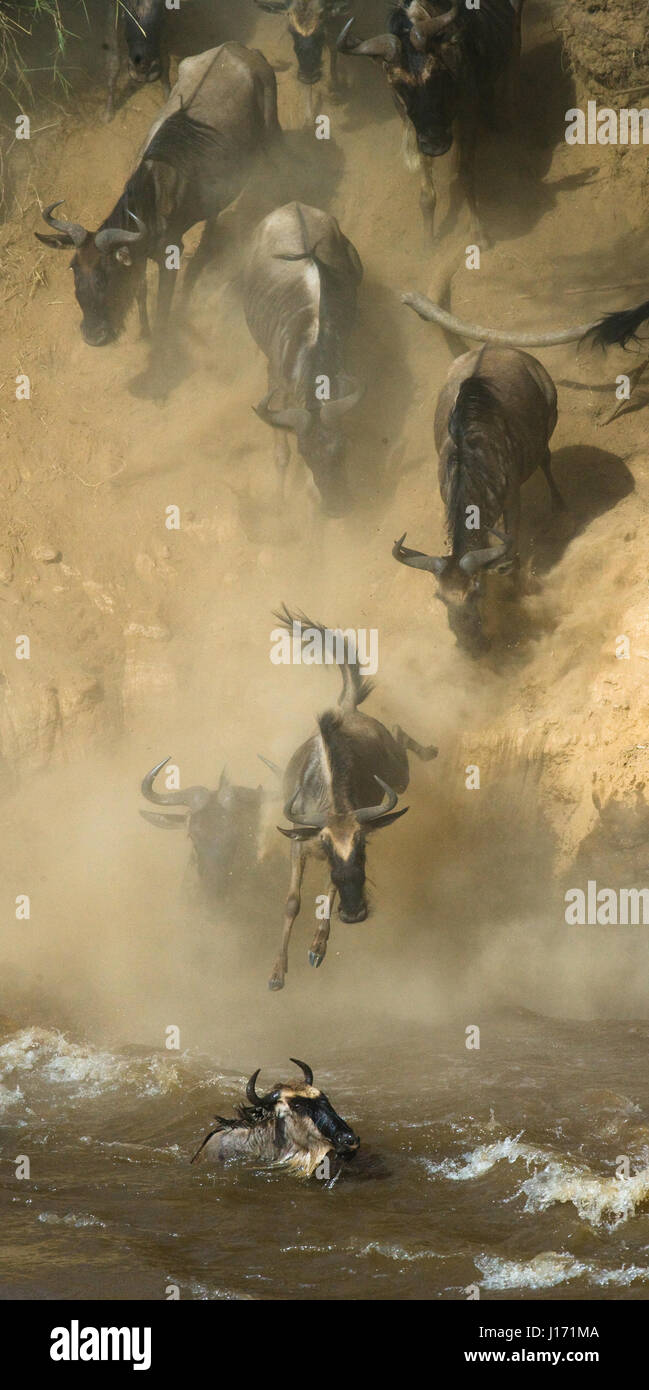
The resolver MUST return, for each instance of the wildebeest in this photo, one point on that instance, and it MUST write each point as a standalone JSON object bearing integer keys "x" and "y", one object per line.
{"x": 224, "y": 828}
{"x": 295, "y": 1126}
{"x": 494, "y": 419}
{"x": 299, "y": 298}
{"x": 140, "y": 23}
{"x": 330, "y": 792}
{"x": 444, "y": 61}
{"x": 313, "y": 25}
{"x": 197, "y": 157}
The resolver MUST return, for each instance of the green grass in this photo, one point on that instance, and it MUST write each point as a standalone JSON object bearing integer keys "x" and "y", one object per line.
{"x": 19, "y": 22}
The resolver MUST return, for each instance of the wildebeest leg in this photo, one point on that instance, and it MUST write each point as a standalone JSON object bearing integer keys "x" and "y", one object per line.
{"x": 512, "y": 521}
{"x": 338, "y": 85}
{"x": 111, "y": 44}
{"x": 513, "y": 88}
{"x": 427, "y": 193}
{"x": 166, "y": 286}
{"x": 558, "y": 504}
{"x": 282, "y": 460}
{"x": 467, "y": 163}
{"x": 319, "y": 944}
{"x": 145, "y": 330}
{"x": 425, "y": 752}
{"x": 333, "y": 66}
{"x": 308, "y": 105}
{"x": 164, "y": 69}
{"x": 293, "y": 903}
{"x": 204, "y": 253}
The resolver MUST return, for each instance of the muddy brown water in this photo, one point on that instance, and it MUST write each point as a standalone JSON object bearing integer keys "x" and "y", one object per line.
{"x": 496, "y": 1166}
{"x": 490, "y": 1168}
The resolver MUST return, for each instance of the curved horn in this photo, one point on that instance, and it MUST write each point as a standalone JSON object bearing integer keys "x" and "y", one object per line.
{"x": 436, "y": 564}
{"x": 385, "y": 46}
{"x": 74, "y": 230}
{"x": 314, "y": 822}
{"x": 432, "y": 312}
{"x": 112, "y": 237}
{"x": 292, "y": 418}
{"x": 428, "y": 26}
{"x": 332, "y": 411}
{"x": 257, "y": 1101}
{"x": 475, "y": 560}
{"x": 308, "y": 1074}
{"x": 370, "y": 813}
{"x": 193, "y": 797}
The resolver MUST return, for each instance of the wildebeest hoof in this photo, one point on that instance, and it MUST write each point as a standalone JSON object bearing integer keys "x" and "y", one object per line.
{"x": 316, "y": 958}
{"x": 428, "y": 753}
{"x": 275, "y": 982}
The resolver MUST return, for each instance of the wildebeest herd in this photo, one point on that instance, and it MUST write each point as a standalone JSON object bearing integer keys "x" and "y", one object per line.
{"x": 451, "y": 66}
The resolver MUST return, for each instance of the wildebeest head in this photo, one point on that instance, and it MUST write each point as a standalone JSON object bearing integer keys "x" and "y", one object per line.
{"x": 320, "y": 439}
{"x": 307, "y": 23}
{"x": 304, "y": 1117}
{"x": 143, "y": 21}
{"x": 461, "y": 585}
{"x": 420, "y": 53}
{"x": 223, "y": 825}
{"x": 107, "y": 266}
{"x": 342, "y": 838}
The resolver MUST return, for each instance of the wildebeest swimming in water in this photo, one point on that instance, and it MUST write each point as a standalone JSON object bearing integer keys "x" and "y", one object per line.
{"x": 299, "y": 296}
{"x": 313, "y": 25}
{"x": 224, "y": 827}
{"x": 295, "y": 1126}
{"x": 330, "y": 792}
{"x": 140, "y": 24}
{"x": 444, "y": 62}
{"x": 220, "y": 117}
{"x": 494, "y": 419}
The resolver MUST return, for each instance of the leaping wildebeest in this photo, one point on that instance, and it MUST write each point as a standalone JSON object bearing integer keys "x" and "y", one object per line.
{"x": 445, "y": 63}
{"x": 295, "y": 1126}
{"x": 224, "y": 827}
{"x": 494, "y": 419}
{"x": 221, "y": 115}
{"x": 140, "y": 24}
{"x": 330, "y": 788}
{"x": 313, "y": 26}
{"x": 299, "y": 297}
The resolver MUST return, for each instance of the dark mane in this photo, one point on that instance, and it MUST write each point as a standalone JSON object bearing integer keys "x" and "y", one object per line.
{"x": 339, "y": 751}
{"x": 182, "y": 140}
{"x": 480, "y": 468}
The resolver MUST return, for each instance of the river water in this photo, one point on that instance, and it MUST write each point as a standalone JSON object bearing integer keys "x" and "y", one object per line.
{"x": 492, "y": 1167}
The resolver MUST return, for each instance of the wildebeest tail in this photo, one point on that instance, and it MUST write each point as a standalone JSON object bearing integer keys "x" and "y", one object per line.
{"x": 477, "y": 473}
{"x": 621, "y": 327}
{"x": 356, "y": 687}
{"x": 220, "y": 1123}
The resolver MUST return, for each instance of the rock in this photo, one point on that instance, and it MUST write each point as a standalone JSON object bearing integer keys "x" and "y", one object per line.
{"x": 47, "y": 555}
